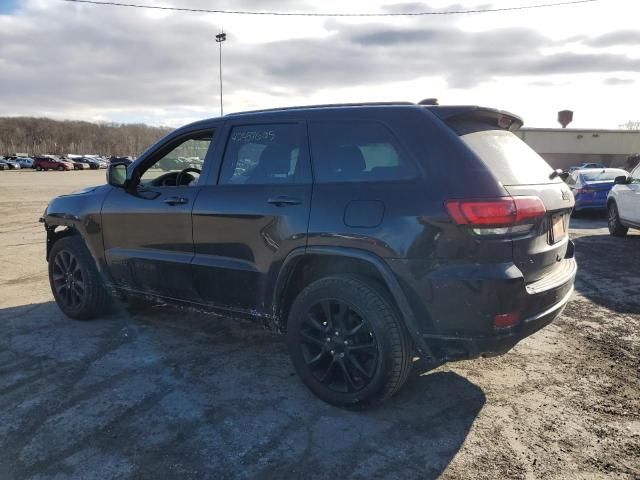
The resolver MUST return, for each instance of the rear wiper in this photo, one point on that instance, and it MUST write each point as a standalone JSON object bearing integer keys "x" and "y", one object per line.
{"x": 556, "y": 173}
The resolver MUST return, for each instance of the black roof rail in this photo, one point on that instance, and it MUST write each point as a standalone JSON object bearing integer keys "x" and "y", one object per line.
{"x": 327, "y": 105}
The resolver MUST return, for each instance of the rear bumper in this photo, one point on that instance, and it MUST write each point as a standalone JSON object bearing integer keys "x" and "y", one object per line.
{"x": 590, "y": 203}
{"x": 458, "y": 305}
{"x": 501, "y": 343}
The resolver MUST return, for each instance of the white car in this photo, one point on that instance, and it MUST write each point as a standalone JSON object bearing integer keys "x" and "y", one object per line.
{"x": 623, "y": 204}
{"x": 25, "y": 162}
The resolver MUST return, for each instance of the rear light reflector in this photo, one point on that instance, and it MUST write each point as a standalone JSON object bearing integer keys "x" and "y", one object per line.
{"x": 505, "y": 320}
{"x": 496, "y": 214}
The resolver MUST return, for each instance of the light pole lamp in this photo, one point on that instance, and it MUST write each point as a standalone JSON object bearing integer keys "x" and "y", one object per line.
{"x": 221, "y": 37}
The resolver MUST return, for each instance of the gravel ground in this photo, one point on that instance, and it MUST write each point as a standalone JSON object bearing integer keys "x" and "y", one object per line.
{"x": 168, "y": 393}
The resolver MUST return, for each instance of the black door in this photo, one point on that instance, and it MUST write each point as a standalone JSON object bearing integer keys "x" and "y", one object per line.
{"x": 148, "y": 236}
{"x": 246, "y": 224}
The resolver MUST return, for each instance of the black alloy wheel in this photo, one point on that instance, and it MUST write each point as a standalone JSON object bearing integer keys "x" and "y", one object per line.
{"x": 76, "y": 284}
{"x": 339, "y": 346}
{"x": 347, "y": 341}
{"x": 68, "y": 279}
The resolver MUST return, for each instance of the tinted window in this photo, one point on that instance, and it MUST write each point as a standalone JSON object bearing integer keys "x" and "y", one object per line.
{"x": 357, "y": 151}
{"x": 511, "y": 160}
{"x": 261, "y": 154}
{"x": 602, "y": 175}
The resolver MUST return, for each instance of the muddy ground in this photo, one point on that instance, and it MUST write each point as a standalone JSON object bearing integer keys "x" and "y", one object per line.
{"x": 172, "y": 394}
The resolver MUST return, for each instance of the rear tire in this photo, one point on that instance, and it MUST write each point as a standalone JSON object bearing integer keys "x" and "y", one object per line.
{"x": 75, "y": 281}
{"x": 613, "y": 221}
{"x": 347, "y": 341}
{"x": 38, "y": 168}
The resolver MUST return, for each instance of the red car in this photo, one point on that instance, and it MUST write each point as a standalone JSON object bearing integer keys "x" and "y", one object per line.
{"x": 51, "y": 163}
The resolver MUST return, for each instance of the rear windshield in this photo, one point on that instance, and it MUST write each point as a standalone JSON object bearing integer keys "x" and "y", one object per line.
{"x": 602, "y": 176}
{"x": 511, "y": 160}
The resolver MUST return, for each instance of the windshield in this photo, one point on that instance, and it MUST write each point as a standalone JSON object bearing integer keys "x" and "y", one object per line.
{"x": 602, "y": 175}
{"x": 511, "y": 160}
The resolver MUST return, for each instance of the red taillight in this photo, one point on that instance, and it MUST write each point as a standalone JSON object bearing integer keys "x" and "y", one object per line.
{"x": 499, "y": 212}
{"x": 505, "y": 320}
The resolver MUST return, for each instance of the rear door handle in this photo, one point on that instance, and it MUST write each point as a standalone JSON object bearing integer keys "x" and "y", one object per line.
{"x": 175, "y": 201}
{"x": 283, "y": 200}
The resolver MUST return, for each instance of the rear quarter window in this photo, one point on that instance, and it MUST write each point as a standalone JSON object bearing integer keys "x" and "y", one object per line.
{"x": 508, "y": 158}
{"x": 357, "y": 151}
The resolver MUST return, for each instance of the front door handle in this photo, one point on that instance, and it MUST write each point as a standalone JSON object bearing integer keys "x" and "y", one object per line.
{"x": 283, "y": 200}
{"x": 175, "y": 201}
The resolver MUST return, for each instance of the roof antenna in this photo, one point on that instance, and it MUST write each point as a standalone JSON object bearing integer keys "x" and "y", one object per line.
{"x": 429, "y": 101}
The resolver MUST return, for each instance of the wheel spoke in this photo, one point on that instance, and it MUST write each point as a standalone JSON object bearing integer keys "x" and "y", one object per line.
{"x": 314, "y": 323}
{"x": 326, "y": 308}
{"x": 369, "y": 348}
{"x": 312, "y": 339}
{"x": 351, "y": 386}
{"x": 68, "y": 296}
{"x": 355, "y": 329}
{"x": 59, "y": 264}
{"x": 358, "y": 366}
{"x": 328, "y": 372}
{"x": 64, "y": 256}
{"x": 341, "y": 318}
{"x": 314, "y": 361}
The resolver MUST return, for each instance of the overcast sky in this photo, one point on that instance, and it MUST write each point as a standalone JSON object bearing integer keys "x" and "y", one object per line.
{"x": 92, "y": 62}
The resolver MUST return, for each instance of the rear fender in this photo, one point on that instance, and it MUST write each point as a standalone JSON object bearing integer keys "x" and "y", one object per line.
{"x": 387, "y": 275}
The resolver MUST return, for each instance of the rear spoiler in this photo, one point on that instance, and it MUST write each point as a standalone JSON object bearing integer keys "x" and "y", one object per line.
{"x": 459, "y": 116}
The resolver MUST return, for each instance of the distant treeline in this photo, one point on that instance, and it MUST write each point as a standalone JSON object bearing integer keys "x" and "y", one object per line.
{"x": 45, "y": 136}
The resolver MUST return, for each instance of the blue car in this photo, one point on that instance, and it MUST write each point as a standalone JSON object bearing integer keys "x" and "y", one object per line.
{"x": 590, "y": 187}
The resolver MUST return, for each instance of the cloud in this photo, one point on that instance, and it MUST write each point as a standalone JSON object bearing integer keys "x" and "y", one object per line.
{"x": 618, "y": 81}
{"x": 109, "y": 61}
{"x": 622, "y": 37}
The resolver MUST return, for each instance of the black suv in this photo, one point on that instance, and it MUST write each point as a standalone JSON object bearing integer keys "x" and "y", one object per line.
{"x": 369, "y": 233}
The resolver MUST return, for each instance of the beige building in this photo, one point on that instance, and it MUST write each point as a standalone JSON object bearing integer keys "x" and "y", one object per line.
{"x": 564, "y": 147}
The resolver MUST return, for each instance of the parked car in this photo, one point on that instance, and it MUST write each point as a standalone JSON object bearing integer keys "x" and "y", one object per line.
{"x": 423, "y": 230}
{"x": 77, "y": 165}
{"x": 25, "y": 162}
{"x": 11, "y": 164}
{"x": 4, "y": 165}
{"x": 584, "y": 166}
{"x": 126, "y": 160}
{"x": 51, "y": 163}
{"x": 623, "y": 203}
{"x": 590, "y": 187}
{"x": 89, "y": 162}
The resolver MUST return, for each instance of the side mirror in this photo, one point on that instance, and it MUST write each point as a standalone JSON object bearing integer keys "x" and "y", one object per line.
{"x": 117, "y": 175}
{"x": 621, "y": 180}
{"x": 564, "y": 176}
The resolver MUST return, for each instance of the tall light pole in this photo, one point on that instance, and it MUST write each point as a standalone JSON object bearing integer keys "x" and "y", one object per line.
{"x": 221, "y": 37}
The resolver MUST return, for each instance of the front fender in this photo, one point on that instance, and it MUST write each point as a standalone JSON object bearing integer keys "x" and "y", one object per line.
{"x": 77, "y": 214}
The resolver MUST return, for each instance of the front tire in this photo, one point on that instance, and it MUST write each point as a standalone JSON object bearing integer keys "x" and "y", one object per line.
{"x": 613, "y": 221}
{"x": 347, "y": 342}
{"x": 60, "y": 168}
{"x": 75, "y": 281}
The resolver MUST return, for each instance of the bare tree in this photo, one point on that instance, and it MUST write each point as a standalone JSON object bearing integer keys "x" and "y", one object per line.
{"x": 45, "y": 136}
{"x": 631, "y": 125}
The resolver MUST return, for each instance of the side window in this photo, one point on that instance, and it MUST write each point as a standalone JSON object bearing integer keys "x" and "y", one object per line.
{"x": 189, "y": 153}
{"x": 261, "y": 154}
{"x": 635, "y": 174}
{"x": 357, "y": 151}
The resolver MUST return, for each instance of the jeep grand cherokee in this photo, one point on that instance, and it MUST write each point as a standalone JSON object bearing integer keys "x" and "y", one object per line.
{"x": 369, "y": 233}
